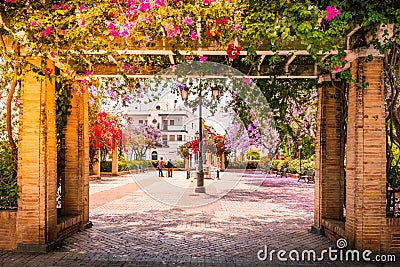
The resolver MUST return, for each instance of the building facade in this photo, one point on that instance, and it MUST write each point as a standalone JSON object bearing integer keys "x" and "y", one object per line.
{"x": 177, "y": 123}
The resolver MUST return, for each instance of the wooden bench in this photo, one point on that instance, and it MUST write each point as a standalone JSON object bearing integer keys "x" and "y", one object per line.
{"x": 307, "y": 176}
{"x": 282, "y": 172}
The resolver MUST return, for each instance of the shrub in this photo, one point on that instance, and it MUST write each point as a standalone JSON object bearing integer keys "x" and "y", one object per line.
{"x": 8, "y": 179}
{"x": 294, "y": 166}
{"x": 106, "y": 166}
{"x": 253, "y": 155}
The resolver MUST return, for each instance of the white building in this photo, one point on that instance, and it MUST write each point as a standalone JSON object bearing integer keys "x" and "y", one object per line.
{"x": 177, "y": 124}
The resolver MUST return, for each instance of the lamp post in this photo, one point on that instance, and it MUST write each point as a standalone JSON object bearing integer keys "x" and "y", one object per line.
{"x": 300, "y": 147}
{"x": 200, "y": 174}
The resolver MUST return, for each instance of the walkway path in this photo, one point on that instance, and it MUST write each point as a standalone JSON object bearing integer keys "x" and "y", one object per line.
{"x": 144, "y": 220}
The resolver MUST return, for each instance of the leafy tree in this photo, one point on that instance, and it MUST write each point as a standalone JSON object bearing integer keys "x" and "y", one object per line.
{"x": 137, "y": 139}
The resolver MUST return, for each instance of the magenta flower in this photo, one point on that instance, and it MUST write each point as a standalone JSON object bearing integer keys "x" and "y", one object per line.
{"x": 159, "y": 3}
{"x": 144, "y": 5}
{"x": 148, "y": 38}
{"x": 246, "y": 80}
{"x": 235, "y": 28}
{"x": 111, "y": 26}
{"x": 338, "y": 68}
{"x": 49, "y": 71}
{"x": 82, "y": 22}
{"x": 11, "y": 1}
{"x": 187, "y": 21}
{"x": 88, "y": 73}
{"x": 47, "y": 31}
{"x": 203, "y": 58}
{"x": 33, "y": 23}
{"x": 193, "y": 35}
{"x": 82, "y": 7}
{"x": 332, "y": 12}
{"x": 64, "y": 6}
{"x": 172, "y": 31}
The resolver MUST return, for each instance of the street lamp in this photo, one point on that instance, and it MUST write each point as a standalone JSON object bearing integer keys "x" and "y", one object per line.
{"x": 200, "y": 174}
{"x": 300, "y": 147}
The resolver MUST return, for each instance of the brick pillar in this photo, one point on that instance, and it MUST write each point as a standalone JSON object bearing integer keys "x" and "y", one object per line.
{"x": 75, "y": 200}
{"x": 114, "y": 164}
{"x": 37, "y": 165}
{"x": 329, "y": 160}
{"x": 366, "y": 161}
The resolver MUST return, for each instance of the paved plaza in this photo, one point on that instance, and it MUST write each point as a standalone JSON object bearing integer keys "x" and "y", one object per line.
{"x": 146, "y": 220}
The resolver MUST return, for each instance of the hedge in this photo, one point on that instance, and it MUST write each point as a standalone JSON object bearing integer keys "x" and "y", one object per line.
{"x": 8, "y": 179}
{"x": 293, "y": 165}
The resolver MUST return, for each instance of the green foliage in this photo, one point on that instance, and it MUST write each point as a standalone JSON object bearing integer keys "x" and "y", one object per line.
{"x": 253, "y": 155}
{"x": 293, "y": 165}
{"x": 8, "y": 179}
{"x": 183, "y": 151}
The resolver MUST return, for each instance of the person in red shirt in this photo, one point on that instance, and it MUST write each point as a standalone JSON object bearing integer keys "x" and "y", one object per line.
{"x": 160, "y": 166}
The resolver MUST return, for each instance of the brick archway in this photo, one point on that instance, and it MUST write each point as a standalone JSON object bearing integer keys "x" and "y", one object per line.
{"x": 36, "y": 225}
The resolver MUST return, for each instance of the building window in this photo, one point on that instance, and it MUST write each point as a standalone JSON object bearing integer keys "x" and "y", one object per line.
{"x": 192, "y": 125}
{"x": 165, "y": 140}
{"x": 154, "y": 155}
{"x": 172, "y": 138}
{"x": 158, "y": 107}
{"x": 172, "y": 122}
{"x": 140, "y": 121}
{"x": 179, "y": 137}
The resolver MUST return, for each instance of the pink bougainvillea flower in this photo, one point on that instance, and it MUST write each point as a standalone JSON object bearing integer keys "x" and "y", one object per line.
{"x": 82, "y": 22}
{"x": 159, "y": 3}
{"x": 55, "y": 6}
{"x": 235, "y": 28}
{"x": 33, "y": 23}
{"x": 188, "y": 21}
{"x": 338, "y": 69}
{"x": 82, "y": 7}
{"x": 49, "y": 71}
{"x": 47, "y": 31}
{"x": 111, "y": 26}
{"x": 332, "y": 12}
{"x": 144, "y": 5}
{"x": 11, "y": 1}
{"x": 53, "y": 54}
{"x": 64, "y": 6}
{"x": 124, "y": 67}
{"x": 203, "y": 58}
{"x": 68, "y": 72}
{"x": 88, "y": 73}
{"x": 84, "y": 81}
{"x": 63, "y": 32}
{"x": 246, "y": 80}
{"x": 114, "y": 33}
{"x": 193, "y": 35}
{"x": 148, "y": 38}
{"x": 171, "y": 30}
{"x": 17, "y": 102}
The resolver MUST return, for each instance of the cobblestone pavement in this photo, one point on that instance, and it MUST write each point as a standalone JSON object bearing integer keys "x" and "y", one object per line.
{"x": 144, "y": 220}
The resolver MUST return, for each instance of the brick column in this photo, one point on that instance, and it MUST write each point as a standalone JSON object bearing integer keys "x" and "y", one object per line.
{"x": 37, "y": 165}
{"x": 329, "y": 160}
{"x": 366, "y": 161}
{"x": 75, "y": 200}
{"x": 114, "y": 163}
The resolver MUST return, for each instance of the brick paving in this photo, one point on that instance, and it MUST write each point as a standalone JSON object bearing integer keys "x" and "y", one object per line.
{"x": 144, "y": 220}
